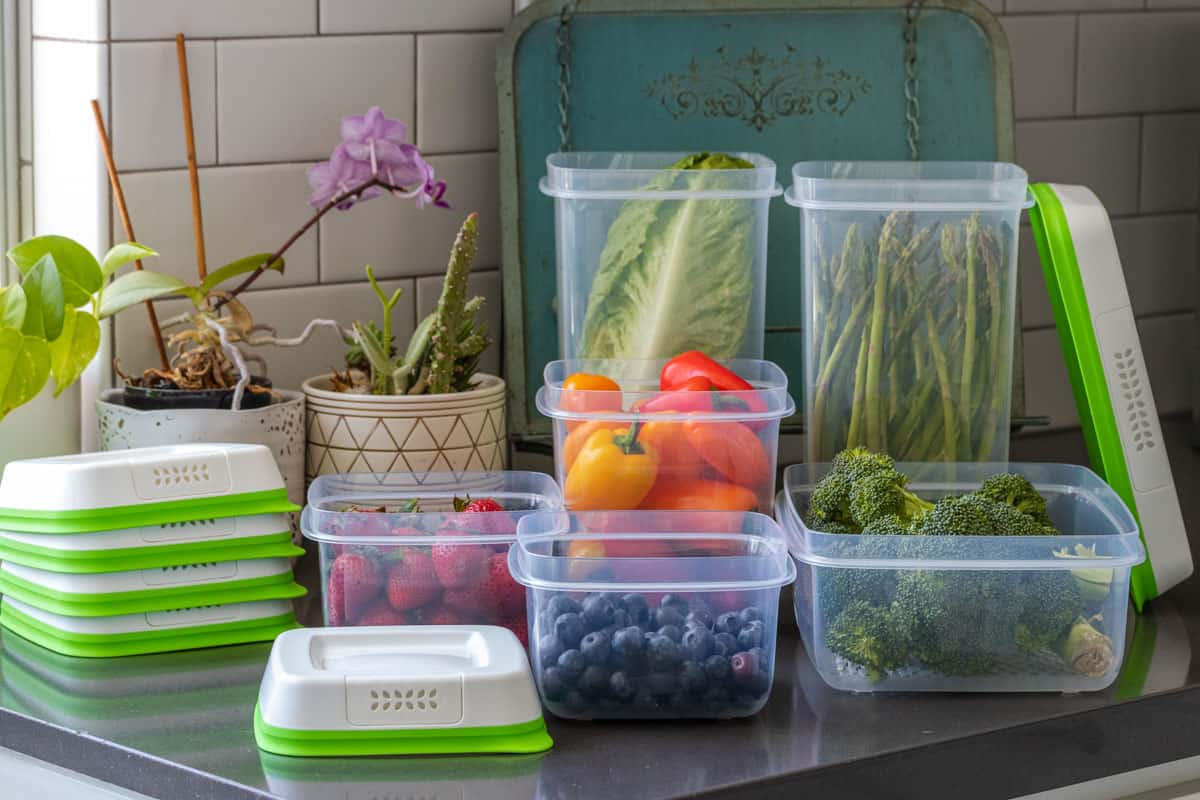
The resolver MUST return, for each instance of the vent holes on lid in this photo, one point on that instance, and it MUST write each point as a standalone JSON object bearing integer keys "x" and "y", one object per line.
{"x": 1140, "y": 425}
{"x": 403, "y": 700}
{"x": 175, "y": 475}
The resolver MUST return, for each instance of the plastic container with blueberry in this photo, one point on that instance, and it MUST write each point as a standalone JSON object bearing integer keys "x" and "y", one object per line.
{"x": 422, "y": 549}
{"x": 652, "y": 614}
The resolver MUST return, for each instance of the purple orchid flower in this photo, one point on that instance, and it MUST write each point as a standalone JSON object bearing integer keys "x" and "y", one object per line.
{"x": 373, "y": 149}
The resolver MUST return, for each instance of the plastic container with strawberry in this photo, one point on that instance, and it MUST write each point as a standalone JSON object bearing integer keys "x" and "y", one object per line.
{"x": 689, "y": 433}
{"x": 422, "y": 549}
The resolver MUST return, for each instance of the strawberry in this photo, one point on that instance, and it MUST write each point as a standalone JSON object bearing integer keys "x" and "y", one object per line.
{"x": 471, "y": 601}
{"x": 411, "y": 581}
{"x": 481, "y": 505}
{"x": 495, "y": 522}
{"x": 440, "y": 615}
{"x": 504, "y": 591}
{"x": 519, "y": 626}
{"x": 382, "y": 614}
{"x": 458, "y": 565}
{"x": 354, "y": 581}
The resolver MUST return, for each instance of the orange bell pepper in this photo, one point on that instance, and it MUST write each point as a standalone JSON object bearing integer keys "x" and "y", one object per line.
{"x": 575, "y": 440}
{"x": 699, "y": 495}
{"x": 588, "y": 393}
{"x": 612, "y": 471}
{"x": 731, "y": 449}
{"x": 677, "y": 460}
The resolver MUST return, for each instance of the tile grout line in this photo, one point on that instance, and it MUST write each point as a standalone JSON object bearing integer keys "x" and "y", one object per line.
{"x": 1076, "y": 75}
{"x": 287, "y": 162}
{"x": 277, "y": 37}
{"x": 216, "y": 105}
{"x": 1141, "y": 160}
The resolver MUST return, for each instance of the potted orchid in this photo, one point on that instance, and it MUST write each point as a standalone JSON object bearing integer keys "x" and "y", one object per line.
{"x": 423, "y": 407}
{"x": 205, "y": 389}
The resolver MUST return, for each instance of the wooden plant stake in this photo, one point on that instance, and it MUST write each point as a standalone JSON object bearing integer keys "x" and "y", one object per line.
{"x": 185, "y": 93}
{"x": 115, "y": 181}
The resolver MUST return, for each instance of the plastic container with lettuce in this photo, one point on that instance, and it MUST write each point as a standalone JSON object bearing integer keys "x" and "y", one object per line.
{"x": 660, "y": 253}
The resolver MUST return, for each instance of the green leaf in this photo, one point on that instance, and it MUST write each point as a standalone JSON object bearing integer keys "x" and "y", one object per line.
{"x": 80, "y": 274}
{"x": 123, "y": 254}
{"x": 24, "y": 368}
{"x": 135, "y": 287}
{"x": 44, "y": 303}
{"x": 71, "y": 352}
{"x": 12, "y": 306}
{"x": 235, "y": 268}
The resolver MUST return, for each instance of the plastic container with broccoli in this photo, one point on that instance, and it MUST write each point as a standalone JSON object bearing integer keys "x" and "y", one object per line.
{"x": 959, "y": 577}
{"x": 660, "y": 252}
{"x": 910, "y": 275}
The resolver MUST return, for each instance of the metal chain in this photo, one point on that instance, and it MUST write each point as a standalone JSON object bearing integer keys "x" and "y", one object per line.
{"x": 563, "y": 38}
{"x": 912, "y": 105}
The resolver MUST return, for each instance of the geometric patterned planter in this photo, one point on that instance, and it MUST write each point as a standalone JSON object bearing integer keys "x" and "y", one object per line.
{"x": 457, "y": 432}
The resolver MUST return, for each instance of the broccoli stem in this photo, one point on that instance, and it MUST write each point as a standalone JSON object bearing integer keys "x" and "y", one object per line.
{"x": 817, "y": 423}
{"x": 1085, "y": 649}
{"x": 877, "y": 325}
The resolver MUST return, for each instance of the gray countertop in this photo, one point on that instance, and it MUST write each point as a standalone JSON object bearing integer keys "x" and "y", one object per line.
{"x": 179, "y": 725}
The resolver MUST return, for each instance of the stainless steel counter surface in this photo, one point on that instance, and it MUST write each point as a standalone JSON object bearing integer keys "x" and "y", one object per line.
{"x": 179, "y": 725}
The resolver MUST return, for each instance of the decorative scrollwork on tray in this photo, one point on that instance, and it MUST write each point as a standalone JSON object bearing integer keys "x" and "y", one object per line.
{"x": 757, "y": 88}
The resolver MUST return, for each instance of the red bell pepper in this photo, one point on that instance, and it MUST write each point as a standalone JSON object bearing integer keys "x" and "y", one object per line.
{"x": 694, "y": 395}
{"x": 682, "y": 371}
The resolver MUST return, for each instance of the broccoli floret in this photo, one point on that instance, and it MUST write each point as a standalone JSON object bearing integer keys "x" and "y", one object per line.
{"x": 883, "y": 494}
{"x": 1016, "y": 491}
{"x": 1051, "y": 601}
{"x": 857, "y": 463}
{"x": 956, "y": 516}
{"x": 873, "y": 637}
{"x": 830, "y": 500}
{"x": 887, "y": 525}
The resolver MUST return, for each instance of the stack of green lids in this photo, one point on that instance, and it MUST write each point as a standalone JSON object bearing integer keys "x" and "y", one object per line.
{"x": 146, "y": 551}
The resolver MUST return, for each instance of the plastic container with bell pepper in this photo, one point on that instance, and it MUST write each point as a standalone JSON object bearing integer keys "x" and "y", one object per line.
{"x": 689, "y": 433}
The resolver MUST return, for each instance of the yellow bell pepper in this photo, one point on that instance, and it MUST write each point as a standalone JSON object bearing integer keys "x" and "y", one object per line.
{"x": 612, "y": 471}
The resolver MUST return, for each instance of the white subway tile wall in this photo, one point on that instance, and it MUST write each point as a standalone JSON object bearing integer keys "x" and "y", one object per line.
{"x": 1107, "y": 93}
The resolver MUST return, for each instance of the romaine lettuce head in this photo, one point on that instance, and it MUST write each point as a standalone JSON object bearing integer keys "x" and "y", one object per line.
{"x": 675, "y": 275}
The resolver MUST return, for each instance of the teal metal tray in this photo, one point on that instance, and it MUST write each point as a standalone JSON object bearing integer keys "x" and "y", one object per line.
{"x": 795, "y": 80}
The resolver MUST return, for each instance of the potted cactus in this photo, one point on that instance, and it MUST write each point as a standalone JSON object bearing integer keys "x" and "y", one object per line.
{"x": 422, "y": 409}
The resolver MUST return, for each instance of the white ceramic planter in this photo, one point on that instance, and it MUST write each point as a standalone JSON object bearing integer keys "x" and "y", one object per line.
{"x": 280, "y": 426}
{"x": 402, "y": 433}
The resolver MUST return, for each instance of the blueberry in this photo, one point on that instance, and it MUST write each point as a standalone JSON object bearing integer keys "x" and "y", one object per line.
{"x": 672, "y": 632}
{"x": 751, "y": 635}
{"x": 622, "y": 685}
{"x": 620, "y": 618}
{"x": 668, "y": 616}
{"x": 635, "y": 606}
{"x": 554, "y": 683}
{"x": 680, "y": 701}
{"x": 549, "y": 649}
{"x": 594, "y": 680}
{"x": 561, "y": 604}
{"x": 675, "y": 601}
{"x": 569, "y": 629}
{"x": 697, "y": 643}
{"x": 663, "y": 653}
{"x": 728, "y": 623}
{"x": 725, "y": 644}
{"x": 759, "y": 683}
{"x": 662, "y": 683}
{"x": 595, "y": 647}
{"x": 692, "y": 677}
{"x": 717, "y": 698}
{"x": 749, "y": 614}
{"x": 699, "y": 618}
{"x": 598, "y": 611}
{"x": 575, "y": 701}
{"x": 744, "y": 665}
{"x": 544, "y": 622}
{"x": 627, "y": 641}
{"x": 572, "y": 663}
{"x": 717, "y": 667}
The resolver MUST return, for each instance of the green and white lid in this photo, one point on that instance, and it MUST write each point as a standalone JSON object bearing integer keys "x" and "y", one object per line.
{"x": 1103, "y": 353}
{"x": 159, "y": 589}
{"x": 399, "y": 690}
{"x": 129, "y": 488}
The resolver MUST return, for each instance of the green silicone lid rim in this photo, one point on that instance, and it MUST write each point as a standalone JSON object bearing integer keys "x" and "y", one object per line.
{"x": 269, "y": 501}
{"x": 89, "y": 562}
{"x": 269, "y": 587}
{"x": 414, "y": 768}
{"x": 1081, "y": 351}
{"x": 104, "y": 646}
{"x": 523, "y": 737}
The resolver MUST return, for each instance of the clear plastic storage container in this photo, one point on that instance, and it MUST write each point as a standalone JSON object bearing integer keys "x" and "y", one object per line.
{"x": 407, "y": 548}
{"x": 643, "y": 614}
{"x": 910, "y": 275}
{"x": 654, "y": 259}
{"x": 968, "y": 613}
{"x": 719, "y": 459}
